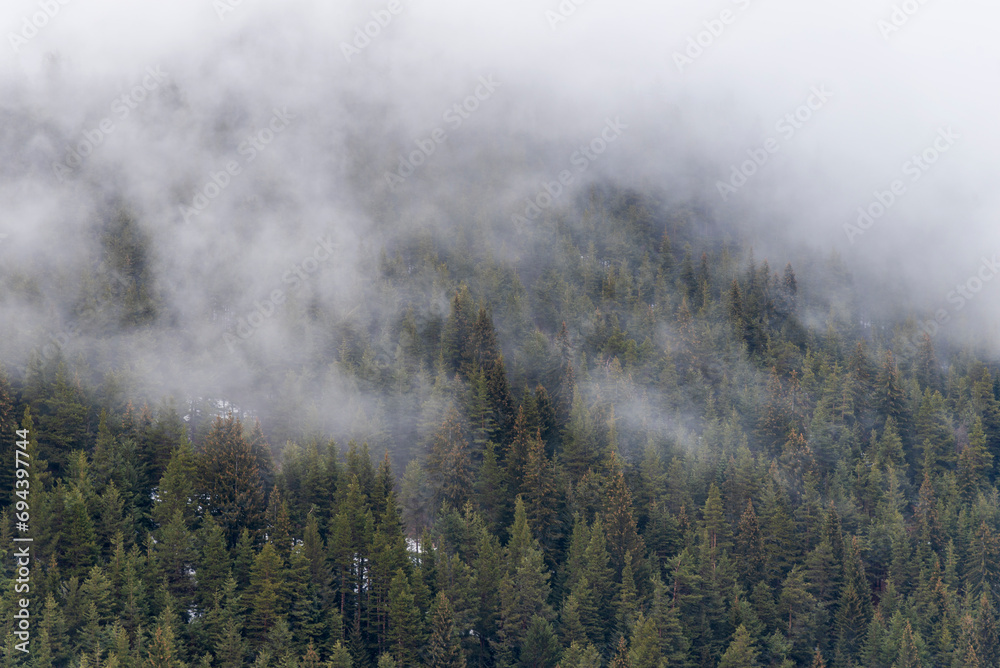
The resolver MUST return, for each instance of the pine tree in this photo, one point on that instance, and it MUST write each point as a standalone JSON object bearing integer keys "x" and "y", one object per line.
{"x": 987, "y": 636}
{"x": 621, "y": 657}
{"x": 311, "y": 658}
{"x": 626, "y": 603}
{"x": 742, "y": 651}
{"x": 908, "y": 656}
{"x": 579, "y": 655}
{"x": 448, "y": 462}
{"x": 579, "y": 440}
{"x": 751, "y": 559}
{"x": 501, "y": 399}
{"x": 488, "y": 570}
{"x": 645, "y": 649}
{"x": 261, "y": 451}
{"x": 265, "y": 594}
{"x": 455, "y": 337}
{"x": 934, "y": 434}
{"x": 790, "y": 289}
{"x": 175, "y": 557}
{"x": 797, "y": 608}
{"x": 80, "y": 547}
{"x": 777, "y": 529}
{"x": 715, "y": 522}
{"x": 484, "y": 348}
{"x": 926, "y": 367}
{"x": 890, "y": 399}
{"x": 974, "y": 463}
{"x": 618, "y": 518}
{"x": 443, "y": 647}
{"x": 7, "y": 437}
{"x": 571, "y": 625}
{"x": 889, "y": 451}
{"x": 850, "y": 620}
{"x": 416, "y": 496}
{"x": 62, "y": 421}
{"x": 983, "y": 562}
{"x": 214, "y": 564}
{"x": 224, "y": 624}
{"x": 405, "y": 629}
{"x": 540, "y": 648}
{"x": 230, "y": 480}
{"x": 516, "y": 457}
{"x": 491, "y": 488}
{"x": 163, "y": 650}
{"x": 279, "y": 529}
{"x": 687, "y": 276}
{"x": 524, "y": 593}
{"x": 600, "y": 581}
{"x": 539, "y": 492}
{"x": 386, "y": 661}
{"x": 773, "y": 425}
{"x": 340, "y": 657}
{"x": 674, "y": 644}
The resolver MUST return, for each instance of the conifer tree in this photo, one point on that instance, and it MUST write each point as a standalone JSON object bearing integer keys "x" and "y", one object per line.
{"x": 491, "y": 488}
{"x": 405, "y": 634}
{"x": 889, "y": 451}
{"x": 481, "y": 421}
{"x": 751, "y": 559}
{"x": 570, "y": 622}
{"x": 231, "y": 483}
{"x": 581, "y": 655}
{"x": 987, "y": 635}
{"x": 926, "y": 367}
{"x": 579, "y": 440}
{"x": 539, "y": 492}
{"x": 715, "y": 522}
{"x": 340, "y": 657}
{"x": 176, "y": 490}
{"x": 488, "y": 569}
{"x": 626, "y": 602}
{"x": 175, "y": 557}
{"x": 889, "y": 396}
{"x": 7, "y": 437}
{"x": 974, "y": 463}
{"x": 621, "y": 657}
{"x": 62, "y": 421}
{"x": 265, "y": 594}
{"x": 983, "y": 562}
{"x": 619, "y": 519}
{"x": 455, "y": 337}
{"x": 524, "y": 593}
{"x": 742, "y": 651}
{"x": 516, "y": 457}
{"x": 443, "y": 648}
{"x": 540, "y": 648}
{"x": 645, "y": 649}
{"x": 484, "y": 348}
{"x": 501, "y": 399}
{"x": 448, "y": 462}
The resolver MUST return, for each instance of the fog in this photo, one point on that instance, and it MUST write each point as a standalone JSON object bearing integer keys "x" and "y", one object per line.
{"x": 257, "y": 147}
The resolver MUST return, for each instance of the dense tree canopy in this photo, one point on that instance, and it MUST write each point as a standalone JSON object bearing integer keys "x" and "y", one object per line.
{"x": 646, "y": 450}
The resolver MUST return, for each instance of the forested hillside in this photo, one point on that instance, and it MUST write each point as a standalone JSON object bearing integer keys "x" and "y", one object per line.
{"x": 617, "y": 438}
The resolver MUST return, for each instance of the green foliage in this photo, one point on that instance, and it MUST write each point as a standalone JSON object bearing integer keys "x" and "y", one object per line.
{"x": 742, "y": 651}
{"x": 232, "y": 488}
{"x": 443, "y": 648}
{"x": 698, "y": 477}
